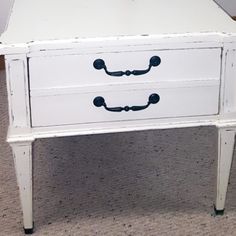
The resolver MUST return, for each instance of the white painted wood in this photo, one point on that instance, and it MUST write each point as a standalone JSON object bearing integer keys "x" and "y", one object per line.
{"x": 112, "y": 45}
{"x": 22, "y": 153}
{"x": 21, "y": 135}
{"x": 74, "y": 70}
{"x": 78, "y": 108}
{"x": 26, "y": 134}
{"x": 223, "y": 82}
{"x": 226, "y": 140}
{"x": 18, "y": 92}
{"x": 123, "y": 86}
{"x": 105, "y": 18}
{"x": 118, "y": 44}
{"x": 230, "y": 84}
{"x": 195, "y": 80}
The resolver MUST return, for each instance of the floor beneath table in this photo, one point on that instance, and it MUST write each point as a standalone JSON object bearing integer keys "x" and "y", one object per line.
{"x": 142, "y": 183}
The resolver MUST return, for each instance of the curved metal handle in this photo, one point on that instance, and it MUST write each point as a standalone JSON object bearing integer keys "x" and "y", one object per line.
{"x": 100, "y": 101}
{"x": 154, "y": 61}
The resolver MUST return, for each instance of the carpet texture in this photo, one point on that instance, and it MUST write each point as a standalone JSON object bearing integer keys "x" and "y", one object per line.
{"x": 139, "y": 183}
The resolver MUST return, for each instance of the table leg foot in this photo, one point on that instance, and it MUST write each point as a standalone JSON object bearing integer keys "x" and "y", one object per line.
{"x": 218, "y": 212}
{"x": 29, "y": 231}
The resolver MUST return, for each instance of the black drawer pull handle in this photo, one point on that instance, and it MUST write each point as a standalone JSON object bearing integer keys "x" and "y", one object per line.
{"x": 154, "y": 61}
{"x": 100, "y": 101}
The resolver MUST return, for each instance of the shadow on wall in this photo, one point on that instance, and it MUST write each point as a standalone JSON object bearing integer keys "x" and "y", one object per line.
{"x": 4, "y": 13}
{"x": 228, "y": 5}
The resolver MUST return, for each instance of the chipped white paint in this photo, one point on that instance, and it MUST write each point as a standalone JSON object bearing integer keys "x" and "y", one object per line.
{"x": 18, "y": 91}
{"x": 76, "y": 108}
{"x": 230, "y": 96}
{"x": 74, "y": 70}
{"x": 112, "y": 18}
{"x": 226, "y": 139}
{"x": 52, "y": 81}
{"x": 22, "y": 153}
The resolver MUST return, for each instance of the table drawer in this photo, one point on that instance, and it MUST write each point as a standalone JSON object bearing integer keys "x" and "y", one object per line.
{"x": 104, "y": 105}
{"x": 79, "y": 70}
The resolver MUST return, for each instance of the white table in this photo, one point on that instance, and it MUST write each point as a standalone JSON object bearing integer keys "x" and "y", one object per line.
{"x": 84, "y": 67}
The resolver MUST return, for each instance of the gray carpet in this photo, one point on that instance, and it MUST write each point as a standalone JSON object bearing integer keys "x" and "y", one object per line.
{"x": 138, "y": 183}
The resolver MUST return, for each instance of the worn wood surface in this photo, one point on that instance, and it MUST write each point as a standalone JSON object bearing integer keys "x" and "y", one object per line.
{"x": 117, "y": 18}
{"x": 48, "y": 72}
{"x": 226, "y": 137}
{"x": 2, "y": 63}
{"x": 22, "y": 153}
{"x": 18, "y": 91}
{"x": 52, "y": 83}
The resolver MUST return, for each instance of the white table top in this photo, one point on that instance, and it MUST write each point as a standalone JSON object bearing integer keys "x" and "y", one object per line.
{"x": 34, "y": 20}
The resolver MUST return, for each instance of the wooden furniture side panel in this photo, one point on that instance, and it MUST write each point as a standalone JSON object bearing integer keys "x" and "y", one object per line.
{"x": 18, "y": 91}
{"x": 229, "y": 98}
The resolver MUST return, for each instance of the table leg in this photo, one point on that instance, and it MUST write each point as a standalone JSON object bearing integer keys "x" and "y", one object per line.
{"x": 22, "y": 153}
{"x": 226, "y": 139}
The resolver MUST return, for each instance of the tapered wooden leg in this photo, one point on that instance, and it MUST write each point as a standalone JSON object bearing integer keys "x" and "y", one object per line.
{"x": 226, "y": 139}
{"x": 22, "y": 153}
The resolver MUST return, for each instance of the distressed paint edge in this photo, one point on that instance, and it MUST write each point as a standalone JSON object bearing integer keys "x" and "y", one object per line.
{"x": 25, "y": 94}
{"x": 62, "y": 44}
{"x": 29, "y": 135}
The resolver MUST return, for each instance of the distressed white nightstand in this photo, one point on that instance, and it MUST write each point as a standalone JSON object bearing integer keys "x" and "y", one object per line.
{"x": 84, "y": 67}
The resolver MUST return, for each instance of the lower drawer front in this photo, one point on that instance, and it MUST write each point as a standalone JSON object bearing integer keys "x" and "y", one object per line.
{"x": 75, "y": 108}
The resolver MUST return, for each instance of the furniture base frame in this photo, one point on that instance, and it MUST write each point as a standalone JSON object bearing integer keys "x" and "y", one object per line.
{"x": 22, "y": 152}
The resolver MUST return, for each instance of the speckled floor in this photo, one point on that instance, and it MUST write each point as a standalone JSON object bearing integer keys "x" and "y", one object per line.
{"x": 141, "y": 183}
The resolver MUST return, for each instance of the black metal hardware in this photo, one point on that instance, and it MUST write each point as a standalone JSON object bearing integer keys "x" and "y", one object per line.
{"x": 29, "y": 231}
{"x": 100, "y": 101}
{"x": 218, "y": 212}
{"x": 154, "y": 61}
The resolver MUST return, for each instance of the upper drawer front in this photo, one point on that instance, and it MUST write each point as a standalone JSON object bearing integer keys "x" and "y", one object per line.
{"x": 79, "y": 70}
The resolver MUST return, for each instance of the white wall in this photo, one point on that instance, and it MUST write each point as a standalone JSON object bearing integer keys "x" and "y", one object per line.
{"x": 5, "y": 6}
